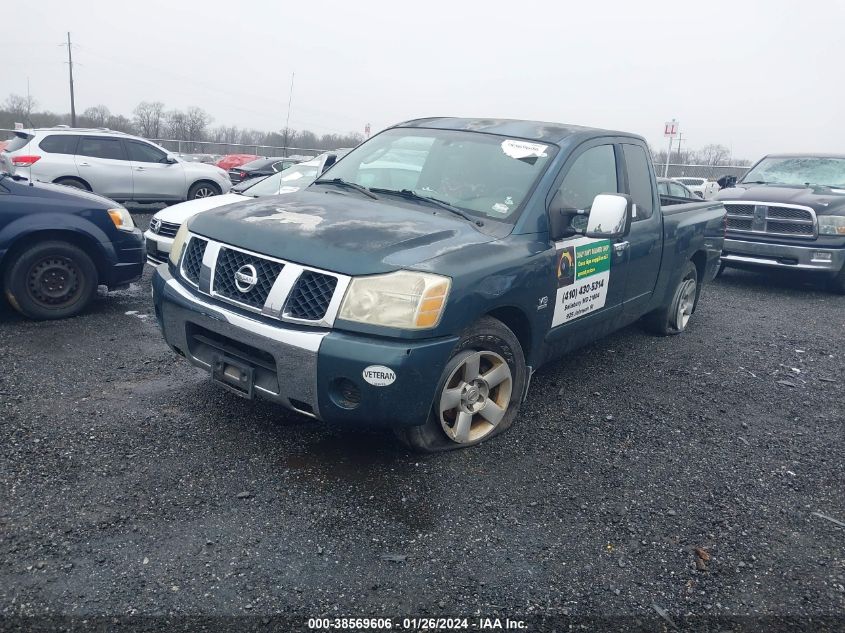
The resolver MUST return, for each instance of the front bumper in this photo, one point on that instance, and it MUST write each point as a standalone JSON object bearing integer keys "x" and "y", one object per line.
{"x": 306, "y": 369}
{"x": 745, "y": 254}
{"x": 158, "y": 247}
{"x": 126, "y": 257}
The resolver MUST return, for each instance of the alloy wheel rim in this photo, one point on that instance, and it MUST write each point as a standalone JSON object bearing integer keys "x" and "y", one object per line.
{"x": 686, "y": 303}
{"x": 475, "y": 397}
{"x": 54, "y": 281}
{"x": 204, "y": 192}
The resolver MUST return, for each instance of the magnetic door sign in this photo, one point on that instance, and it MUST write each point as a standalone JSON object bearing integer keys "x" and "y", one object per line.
{"x": 583, "y": 275}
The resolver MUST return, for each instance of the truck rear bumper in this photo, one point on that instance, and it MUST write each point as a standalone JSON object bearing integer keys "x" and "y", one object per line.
{"x": 744, "y": 254}
{"x": 316, "y": 372}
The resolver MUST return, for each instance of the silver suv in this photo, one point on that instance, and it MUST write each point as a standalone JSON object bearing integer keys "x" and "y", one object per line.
{"x": 116, "y": 165}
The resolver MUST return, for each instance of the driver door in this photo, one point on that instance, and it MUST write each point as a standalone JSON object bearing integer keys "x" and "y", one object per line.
{"x": 153, "y": 178}
{"x": 591, "y": 274}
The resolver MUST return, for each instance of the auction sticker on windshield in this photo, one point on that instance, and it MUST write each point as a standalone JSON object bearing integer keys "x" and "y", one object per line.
{"x": 583, "y": 275}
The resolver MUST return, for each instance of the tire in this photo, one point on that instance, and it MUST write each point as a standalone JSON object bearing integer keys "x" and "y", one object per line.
{"x": 51, "y": 280}
{"x": 674, "y": 317}
{"x": 73, "y": 182}
{"x": 203, "y": 189}
{"x": 493, "y": 348}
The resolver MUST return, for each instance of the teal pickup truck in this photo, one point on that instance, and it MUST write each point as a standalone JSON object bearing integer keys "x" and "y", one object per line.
{"x": 424, "y": 299}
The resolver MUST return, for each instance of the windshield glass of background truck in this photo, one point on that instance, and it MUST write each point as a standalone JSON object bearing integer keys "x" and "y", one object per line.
{"x": 799, "y": 170}
{"x": 295, "y": 177}
{"x": 483, "y": 174}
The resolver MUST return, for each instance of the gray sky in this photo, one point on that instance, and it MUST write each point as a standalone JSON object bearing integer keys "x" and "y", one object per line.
{"x": 757, "y": 76}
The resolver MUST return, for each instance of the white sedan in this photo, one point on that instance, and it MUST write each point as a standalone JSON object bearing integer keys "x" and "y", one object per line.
{"x": 165, "y": 223}
{"x": 702, "y": 187}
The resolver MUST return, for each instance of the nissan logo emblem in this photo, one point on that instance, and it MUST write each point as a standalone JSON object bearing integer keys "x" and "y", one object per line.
{"x": 246, "y": 277}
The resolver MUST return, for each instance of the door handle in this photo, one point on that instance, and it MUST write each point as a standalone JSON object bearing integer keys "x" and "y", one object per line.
{"x": 621, "y": 247}
{"x": 139, "y": 169}
{"x": 84, "y": 164}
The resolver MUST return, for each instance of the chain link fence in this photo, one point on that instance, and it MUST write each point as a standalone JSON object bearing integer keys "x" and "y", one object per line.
{"x": 713, "y": 172}
{"x": 221, "y": 149}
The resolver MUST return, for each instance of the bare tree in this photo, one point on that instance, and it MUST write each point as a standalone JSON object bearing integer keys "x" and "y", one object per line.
{"x": 196, "y": 122}
{"x": 20, "y": 107}
{"x": 98, "y": 116}
{"x": 713, "y": 154}
{"x": 149, "y": 118}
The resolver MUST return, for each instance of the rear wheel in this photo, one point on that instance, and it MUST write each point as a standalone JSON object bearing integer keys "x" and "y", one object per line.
{"x": 51, "y": 280}
{"x": 73, "y": 182}
{"x": 479, "y": 392}
{"x": 674, "y": 316}
{"x": 203, "y": 190}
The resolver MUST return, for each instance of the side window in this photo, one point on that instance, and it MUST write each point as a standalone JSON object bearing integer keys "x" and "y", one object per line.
{"x": 639, "y": 180}
{"x": 678, "y": 191}
{"x": 143, "y": 153}
{"x": 662, "y": 188}
{"x": 100, "y": 147}
{"x": 280, "y": 165}
{"x": 59, "y": 144}
{"x": 592, "y": 173}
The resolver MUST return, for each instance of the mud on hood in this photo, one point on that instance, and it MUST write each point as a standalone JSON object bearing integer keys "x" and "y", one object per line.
{"x": 343, "y": 233}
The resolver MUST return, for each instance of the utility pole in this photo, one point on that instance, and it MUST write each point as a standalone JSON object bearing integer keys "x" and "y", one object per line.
{"x": 287, "y": 120}
{"x": 70, "y": 70}
{"x": 680, "y": 140}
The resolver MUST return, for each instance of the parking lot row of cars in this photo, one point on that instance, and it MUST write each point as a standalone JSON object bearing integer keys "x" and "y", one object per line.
{"x": 442, "y": 261}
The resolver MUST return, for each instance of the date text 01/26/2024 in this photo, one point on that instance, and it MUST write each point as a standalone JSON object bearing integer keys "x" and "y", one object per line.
{"x": 417, "y": 624}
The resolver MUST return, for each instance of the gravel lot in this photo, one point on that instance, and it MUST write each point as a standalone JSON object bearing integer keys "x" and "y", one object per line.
{"x": 132, "y": 485}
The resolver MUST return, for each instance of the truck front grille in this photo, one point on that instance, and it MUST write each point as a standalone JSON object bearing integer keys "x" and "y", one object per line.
{"x": 771, "y": 219}
{"x": 192, "y": 261}
{"x": 311, "y": 296}
{"x": 229, "y": 262}
{"x": 282, "y": 290}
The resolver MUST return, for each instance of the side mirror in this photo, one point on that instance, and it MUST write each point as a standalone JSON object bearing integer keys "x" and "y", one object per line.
{"x": 170, "y": 159}
{"x": 610, "y": 216}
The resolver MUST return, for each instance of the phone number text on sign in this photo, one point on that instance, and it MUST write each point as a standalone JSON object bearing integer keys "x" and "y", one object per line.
{"x": 583, "y": 274}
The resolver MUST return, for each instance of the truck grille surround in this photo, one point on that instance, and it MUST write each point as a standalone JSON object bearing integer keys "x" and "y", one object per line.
{"x": 281, "y": 290}
{"x": 763, "y": 218}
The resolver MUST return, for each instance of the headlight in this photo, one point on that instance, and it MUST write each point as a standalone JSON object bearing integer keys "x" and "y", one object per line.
{"x": 121, "y": 218}
{"x": 178, "y": 244}
{"x": 404, "y": 299}
{"x": 832, "y": 225}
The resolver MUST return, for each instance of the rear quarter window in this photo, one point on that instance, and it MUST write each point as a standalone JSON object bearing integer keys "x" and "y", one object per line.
{"x": 16, "y": 142}
{"x": 639, "y": 180}
{"x": 59, "y": 144}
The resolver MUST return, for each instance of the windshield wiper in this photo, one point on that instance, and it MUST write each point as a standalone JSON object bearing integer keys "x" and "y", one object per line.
{"x": 340, "y": 182}
{"x": 413, "y": 195}
{"x": 754, "y": 182}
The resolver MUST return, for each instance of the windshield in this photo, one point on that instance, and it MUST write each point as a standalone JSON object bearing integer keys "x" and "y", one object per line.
{"x": 799, "y": 170}
{"x": 287, "y": 180}
{"x": 483, "y": 174}
{"x": 691, "y": 181}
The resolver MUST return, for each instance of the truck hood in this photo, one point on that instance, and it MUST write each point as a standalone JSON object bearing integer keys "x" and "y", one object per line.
{"x": 178, "y": 213}
{"x": 823, "y": 200}
{"x": 338, "y": 232}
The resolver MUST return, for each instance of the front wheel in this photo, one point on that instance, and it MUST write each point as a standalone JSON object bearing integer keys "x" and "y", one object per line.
{"x": 479, "y": 391}
{"x": 51, "y": 280}
{"x": 673, "y": 317}
{"x": 203, "y": 190}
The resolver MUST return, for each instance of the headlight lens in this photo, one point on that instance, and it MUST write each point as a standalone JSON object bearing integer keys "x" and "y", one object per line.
{"x": 122, "y": 219}
{"x": 404, "y": 299}
{"x": 832, "y": 225}
{"x": 178, "y": 244}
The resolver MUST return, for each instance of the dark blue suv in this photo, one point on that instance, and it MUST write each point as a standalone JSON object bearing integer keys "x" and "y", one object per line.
{"x": 57, "y": 244}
